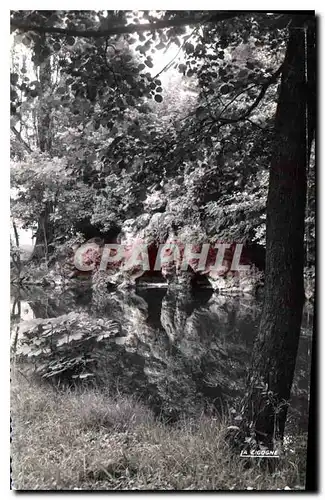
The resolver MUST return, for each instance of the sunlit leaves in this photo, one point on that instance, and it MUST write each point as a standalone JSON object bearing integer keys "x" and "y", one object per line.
{"x": 106, "y": 101}
{"x": 148, "y": 62}
{"x": 182, "y": 68}
{"x": 160, "y": 46}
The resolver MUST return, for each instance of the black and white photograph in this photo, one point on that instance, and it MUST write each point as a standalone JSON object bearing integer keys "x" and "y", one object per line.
{"x": 162, "y": 250}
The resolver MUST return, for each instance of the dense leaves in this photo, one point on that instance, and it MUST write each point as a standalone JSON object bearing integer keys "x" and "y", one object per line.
{"x": 196, "y": 137}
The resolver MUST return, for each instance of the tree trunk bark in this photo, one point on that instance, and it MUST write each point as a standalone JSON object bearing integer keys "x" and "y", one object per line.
{"x": 44, "y": 235}
{"x": 275, "y": 350}
{"x": 45, "y": 229}
{"x": 16, "y": 256}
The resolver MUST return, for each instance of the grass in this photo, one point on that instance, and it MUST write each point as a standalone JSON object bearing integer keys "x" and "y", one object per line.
{"x": 87, "y": 440}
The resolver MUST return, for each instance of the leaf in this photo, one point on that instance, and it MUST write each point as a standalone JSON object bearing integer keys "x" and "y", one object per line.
{"x": 26, "y": 41}
{"x": 189, "y": 47}
{"x": 225, "y": 89}
{"x": 160, "y": 46}
{"x": 148, "y": 63}
{"x": 70, "y": 41}
{"x": 120, "y": 340}
{"x": 200, "y": 112}
{"x": 76, "y": 336}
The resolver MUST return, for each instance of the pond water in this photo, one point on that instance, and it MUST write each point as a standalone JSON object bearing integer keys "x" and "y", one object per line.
{"x": 182, "y": 353}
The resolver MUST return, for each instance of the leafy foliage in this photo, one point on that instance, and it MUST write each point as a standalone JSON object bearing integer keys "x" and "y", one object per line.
{"x": 197, "y": 137}
{"x": 47, "y": 343}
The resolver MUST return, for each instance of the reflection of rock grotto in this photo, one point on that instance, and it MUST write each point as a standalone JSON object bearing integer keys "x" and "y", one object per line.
{"x": 138, "y": 252}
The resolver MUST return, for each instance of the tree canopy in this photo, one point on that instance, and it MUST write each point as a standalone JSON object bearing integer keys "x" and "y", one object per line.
{"x": 115, "y": 125}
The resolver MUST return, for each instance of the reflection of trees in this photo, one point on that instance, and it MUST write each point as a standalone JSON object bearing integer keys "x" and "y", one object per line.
{"x": 180, "y": 352}
{"x": 15, "y": 316}
{"x": 48, "y": 309}
{"x": 53, "y": 303}
{"x": 153, "y": 298}
{"x": 15, "y": 313}
{"x": 175, "y": 309}
{"x": 204, "y": 359}
{"x": 212, "y": 348}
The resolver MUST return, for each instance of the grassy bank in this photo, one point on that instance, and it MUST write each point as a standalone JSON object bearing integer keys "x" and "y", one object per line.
{"x": 86, "y": 440}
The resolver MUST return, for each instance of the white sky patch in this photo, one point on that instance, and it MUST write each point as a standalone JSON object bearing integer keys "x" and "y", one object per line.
{"x": 26, "y": 240}
{"x": 161, "y": 59}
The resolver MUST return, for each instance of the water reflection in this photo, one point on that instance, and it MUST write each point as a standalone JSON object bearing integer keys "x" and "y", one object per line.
{"x": 181, "y": 352}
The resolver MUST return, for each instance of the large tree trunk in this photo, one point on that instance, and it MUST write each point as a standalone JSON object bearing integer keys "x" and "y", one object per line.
{"x": 275, "y": 350}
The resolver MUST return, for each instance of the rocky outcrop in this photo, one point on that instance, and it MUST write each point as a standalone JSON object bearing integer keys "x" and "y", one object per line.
{"x": 142, "y": 252}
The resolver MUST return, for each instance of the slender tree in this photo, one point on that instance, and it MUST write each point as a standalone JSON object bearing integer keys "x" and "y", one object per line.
{"x": 45, "y": 231}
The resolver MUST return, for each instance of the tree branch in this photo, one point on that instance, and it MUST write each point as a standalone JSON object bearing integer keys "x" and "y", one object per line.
{"x": 19, "y": 137}
{"x": 236, "y": 97}
{"x": 130, "y": 28}
{"x": 16, "y": 256}
{"x": 273, "y": 78}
